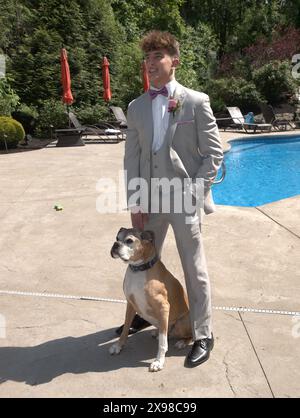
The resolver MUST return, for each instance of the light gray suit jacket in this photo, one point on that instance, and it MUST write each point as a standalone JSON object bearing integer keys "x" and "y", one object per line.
{"x": 192, "y": 135}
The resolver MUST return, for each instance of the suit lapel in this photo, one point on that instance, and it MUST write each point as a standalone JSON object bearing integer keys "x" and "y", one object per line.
{"x": 148, "y": 120}
{"x": 180, "y": 95}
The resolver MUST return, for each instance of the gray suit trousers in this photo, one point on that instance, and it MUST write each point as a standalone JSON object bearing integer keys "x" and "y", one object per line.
{"x": 190, "y": 248}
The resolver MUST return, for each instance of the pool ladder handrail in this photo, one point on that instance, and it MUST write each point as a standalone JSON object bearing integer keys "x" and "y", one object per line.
{"x": 223, "y": 168}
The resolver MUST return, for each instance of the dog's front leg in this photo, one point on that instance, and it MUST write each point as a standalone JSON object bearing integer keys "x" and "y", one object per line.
{"x": 117, "y": 347}
{"x": 158, "y": 363}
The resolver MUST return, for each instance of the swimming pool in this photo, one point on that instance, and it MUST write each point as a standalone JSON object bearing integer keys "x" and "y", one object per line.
{"x": 260, "y": 171}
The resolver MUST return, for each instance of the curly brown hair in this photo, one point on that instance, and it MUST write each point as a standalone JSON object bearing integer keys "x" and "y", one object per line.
{"x": 157, "y": 39}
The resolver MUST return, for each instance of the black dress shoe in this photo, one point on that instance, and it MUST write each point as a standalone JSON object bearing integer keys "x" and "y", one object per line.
{"x": 137, "y": 324}
{"x": 200, "y": 352}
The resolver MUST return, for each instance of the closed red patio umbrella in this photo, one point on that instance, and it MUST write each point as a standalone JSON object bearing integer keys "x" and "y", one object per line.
{"x": 65, "y": 78}
{"x": 106, "y": 79}
{"x": 146, "y": 82}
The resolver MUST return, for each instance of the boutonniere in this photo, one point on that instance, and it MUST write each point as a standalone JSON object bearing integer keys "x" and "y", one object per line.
{"x": 173, "y": 105}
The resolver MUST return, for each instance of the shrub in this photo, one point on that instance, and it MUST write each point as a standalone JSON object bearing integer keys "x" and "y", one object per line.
{"x": 233, "y": 92}
{"x": 27, "y": 116}
{"x": 8, "y": 98}
{"x": 10, "y": 130}
{"x": 234, "y": 65}
{"x": 90, "y": 115}
{"x": 52, "y": 115}
{"x": 274, "y": 81}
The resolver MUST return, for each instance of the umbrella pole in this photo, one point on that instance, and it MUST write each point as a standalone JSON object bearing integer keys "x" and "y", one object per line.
{"x": 69, "y": 121}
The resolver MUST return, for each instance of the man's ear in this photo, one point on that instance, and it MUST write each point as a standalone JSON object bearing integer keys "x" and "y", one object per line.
{"x": 175, "y": 61}
{"x": 148, "y": 236}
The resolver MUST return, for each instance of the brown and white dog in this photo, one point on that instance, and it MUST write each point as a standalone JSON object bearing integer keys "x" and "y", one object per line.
{"x": 152, "y": 292}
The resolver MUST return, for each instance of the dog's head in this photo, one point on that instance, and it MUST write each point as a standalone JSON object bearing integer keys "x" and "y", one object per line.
{"x": 133, "y": 245}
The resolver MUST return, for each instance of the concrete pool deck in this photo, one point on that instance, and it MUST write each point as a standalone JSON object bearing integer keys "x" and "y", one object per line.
{"x": 58, "y": 347}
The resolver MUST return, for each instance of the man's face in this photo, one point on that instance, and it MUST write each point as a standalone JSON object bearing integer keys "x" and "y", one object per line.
{"x": 160, "y": 67}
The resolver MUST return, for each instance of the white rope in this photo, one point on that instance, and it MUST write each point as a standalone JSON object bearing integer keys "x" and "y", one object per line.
{"x": 219, "y": 308}
{"x": 254, "y": 310}
{"x": 55, "y": 295}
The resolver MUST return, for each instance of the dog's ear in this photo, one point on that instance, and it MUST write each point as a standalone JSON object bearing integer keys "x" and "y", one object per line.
{"x": 120, "y": 230}
{"x": 148, "y": 236}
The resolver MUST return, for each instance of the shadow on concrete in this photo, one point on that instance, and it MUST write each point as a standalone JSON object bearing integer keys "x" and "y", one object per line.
{"x": 42, "y": 363}
{"x": 34, "y": 145}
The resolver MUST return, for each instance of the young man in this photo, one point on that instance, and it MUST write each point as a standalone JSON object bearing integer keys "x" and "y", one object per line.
{"x": 172, "y": 134}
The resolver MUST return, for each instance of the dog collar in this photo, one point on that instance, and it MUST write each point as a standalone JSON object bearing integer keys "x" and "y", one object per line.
{"x": 146, "y": 266}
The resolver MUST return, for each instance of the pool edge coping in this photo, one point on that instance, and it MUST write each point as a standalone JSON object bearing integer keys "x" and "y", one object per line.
{"x": 246, "y": 137}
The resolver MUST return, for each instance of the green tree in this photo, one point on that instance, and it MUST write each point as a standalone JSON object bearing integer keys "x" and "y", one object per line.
{"x": 291, "y": 12}
{"x": 32, "y": 32}
{"x": 140, "y": 16}
{"x": 35, "y": 67}
{"x": 222, "y": 16}
{"x": 9, "y": 100}
{"x": 129, "y": 69}
{"x": 198, "y": 47}
{"x": 87, "y": 29}
{"x": 236, "y": 23}
{"x": 260, "y": 19}
{"x": 15, "y": 23}
{"x": 275, "y": 82}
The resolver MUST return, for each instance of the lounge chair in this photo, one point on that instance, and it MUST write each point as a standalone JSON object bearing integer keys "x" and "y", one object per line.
{"x": 102, "y": 131}
{"x": 238, "y": 122}
{"x": 119, "y": 115}
{"x": 270, "y": 117}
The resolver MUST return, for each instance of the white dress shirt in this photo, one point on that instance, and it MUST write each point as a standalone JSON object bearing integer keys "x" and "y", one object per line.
{"x": 161, "y": 115}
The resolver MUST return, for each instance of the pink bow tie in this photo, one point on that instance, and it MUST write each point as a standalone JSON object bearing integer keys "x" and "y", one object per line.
{"x": 155, "y": 93}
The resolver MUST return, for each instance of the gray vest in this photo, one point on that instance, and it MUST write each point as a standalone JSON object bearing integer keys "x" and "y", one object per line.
{"x": 162, "y": 167}
{"x": 161, "y": 164}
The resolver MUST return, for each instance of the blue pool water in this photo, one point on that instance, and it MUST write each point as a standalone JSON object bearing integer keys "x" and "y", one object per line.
{"x": 260, "y": 171}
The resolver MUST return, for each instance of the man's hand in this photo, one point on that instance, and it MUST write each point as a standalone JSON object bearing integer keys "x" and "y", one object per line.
{"x": 138, "y": 218}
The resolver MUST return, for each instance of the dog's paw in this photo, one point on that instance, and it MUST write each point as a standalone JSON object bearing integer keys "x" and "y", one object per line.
{"x": 156, "y": 366}
{"x": 115, "y": 348}
{"x": 180, "y": 344}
